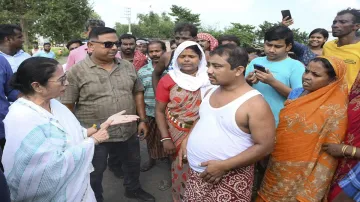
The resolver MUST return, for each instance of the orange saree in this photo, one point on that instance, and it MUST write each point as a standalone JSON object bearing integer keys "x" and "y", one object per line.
{"x": 298, "y": 170}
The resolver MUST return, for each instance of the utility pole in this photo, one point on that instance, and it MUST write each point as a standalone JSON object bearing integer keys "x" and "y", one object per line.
{"x": 127, "y": 14}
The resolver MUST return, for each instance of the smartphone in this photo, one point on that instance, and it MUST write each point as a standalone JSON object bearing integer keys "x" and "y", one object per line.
{"x": 260, "y": 68}
{"x": 286, "y": 13}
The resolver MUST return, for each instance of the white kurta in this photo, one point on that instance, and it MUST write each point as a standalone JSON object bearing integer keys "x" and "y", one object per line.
{"x": 47, "y": 156}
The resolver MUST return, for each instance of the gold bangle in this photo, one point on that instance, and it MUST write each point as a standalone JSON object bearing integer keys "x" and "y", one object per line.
{"x": 94, "y": 126}
{"x": 344, "y": 149}
{"x": 353, "y": 152}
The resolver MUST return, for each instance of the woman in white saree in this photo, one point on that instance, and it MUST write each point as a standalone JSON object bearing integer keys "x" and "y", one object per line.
{"x": 48, "y": 154}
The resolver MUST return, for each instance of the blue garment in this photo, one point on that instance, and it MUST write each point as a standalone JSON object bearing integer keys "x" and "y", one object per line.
{"x": 145, "y": 74}
{"x": 287, "y": 71}
{"x": 42, "y": 53}
{"x": 6, "y": 93}
{"x": 4, "y": 188}
{"x": 16, "y": 59}
{"x": 295, "y": 93}
{"x": 350, "y": 184}
{"x": 303, "y": 52}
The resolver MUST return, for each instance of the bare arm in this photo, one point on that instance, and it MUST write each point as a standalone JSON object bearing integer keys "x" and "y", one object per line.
{"x": 159, "y": 69}
{"x": 262, "y": 127}
{"x": 280, "y": 88}
{"x": 161, "y": 119}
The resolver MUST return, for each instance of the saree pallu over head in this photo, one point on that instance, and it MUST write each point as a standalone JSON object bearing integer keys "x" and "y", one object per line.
{"x": 352, "y": 138}
{"x": 183, "y": 109}
{"x": 298, "y": 169}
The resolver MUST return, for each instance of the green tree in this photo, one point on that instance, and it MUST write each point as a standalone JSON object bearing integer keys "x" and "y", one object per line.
{"x": 59, "y": 20}
{"x": 262, "y": 28}
{"x": 151, "y": 25}
{"x": 182, "y": 14}
{"x": 212, "y": 30}
{"x": 154, "y": 25}
{"x": 246, "y": 33}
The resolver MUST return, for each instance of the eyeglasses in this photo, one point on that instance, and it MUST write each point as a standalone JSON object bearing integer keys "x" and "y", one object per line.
{"x": 108, "y": 44}
{"x": 62, "y": 80}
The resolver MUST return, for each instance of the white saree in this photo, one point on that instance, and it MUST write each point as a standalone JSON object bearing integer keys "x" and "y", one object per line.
{"x": 47, "y": 156}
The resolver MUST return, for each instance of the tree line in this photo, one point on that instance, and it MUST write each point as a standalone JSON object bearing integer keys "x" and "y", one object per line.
{"x": 154, "y": 25}
{"x": 64, "y": 20}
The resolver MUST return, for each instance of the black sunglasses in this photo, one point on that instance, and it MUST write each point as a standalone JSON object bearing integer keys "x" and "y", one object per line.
{"x": 108, "y": 44}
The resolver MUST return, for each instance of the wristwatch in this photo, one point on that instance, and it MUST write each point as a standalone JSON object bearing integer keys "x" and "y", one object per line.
{"x": 143, "y": 120}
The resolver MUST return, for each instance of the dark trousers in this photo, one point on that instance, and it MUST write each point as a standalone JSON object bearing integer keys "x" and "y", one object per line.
{"x": 129, "y": 154}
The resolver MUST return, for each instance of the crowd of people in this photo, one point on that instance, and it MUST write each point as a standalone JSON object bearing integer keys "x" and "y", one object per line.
{"x": 232, "y": 123}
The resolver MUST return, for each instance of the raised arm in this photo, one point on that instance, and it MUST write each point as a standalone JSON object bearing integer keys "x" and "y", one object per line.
{"x": 159, "y": 69}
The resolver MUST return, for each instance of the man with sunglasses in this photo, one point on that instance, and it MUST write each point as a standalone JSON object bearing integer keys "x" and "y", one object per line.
{"x": 81, "y": 52}
{"x": 102, "y": 85}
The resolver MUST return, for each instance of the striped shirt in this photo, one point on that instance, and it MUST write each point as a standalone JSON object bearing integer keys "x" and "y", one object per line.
{"x": 145, "y": 74}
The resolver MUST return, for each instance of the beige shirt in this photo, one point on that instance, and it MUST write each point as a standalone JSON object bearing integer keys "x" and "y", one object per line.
{"x": 99, "y": 94}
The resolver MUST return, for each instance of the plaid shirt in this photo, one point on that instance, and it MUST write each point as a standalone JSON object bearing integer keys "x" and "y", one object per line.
{"x": 351, "y": 183}
{"x": 99, "y": 94}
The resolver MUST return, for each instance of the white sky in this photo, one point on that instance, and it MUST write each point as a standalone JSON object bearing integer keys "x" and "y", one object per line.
{"x": 307, "y": 14}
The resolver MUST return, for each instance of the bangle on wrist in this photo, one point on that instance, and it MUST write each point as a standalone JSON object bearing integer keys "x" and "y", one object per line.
{"x": 344, "y": 149}
{"x": 166, "y": 138}
{"x": 353, "y": 151}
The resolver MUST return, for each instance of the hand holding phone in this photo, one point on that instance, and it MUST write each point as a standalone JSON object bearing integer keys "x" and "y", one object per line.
{"x": 286, "y": 13}
{"x": 260, "y": 68}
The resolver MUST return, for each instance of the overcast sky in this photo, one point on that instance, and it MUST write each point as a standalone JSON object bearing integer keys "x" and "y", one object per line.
{"x": 307, "y": 14}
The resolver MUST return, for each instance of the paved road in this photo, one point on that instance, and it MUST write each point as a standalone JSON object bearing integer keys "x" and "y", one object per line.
{"x": 114, "y": 190}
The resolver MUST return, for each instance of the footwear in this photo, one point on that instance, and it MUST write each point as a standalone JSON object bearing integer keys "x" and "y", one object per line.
{"x": 139, "y": 194}
{"x": 148, "y": 165}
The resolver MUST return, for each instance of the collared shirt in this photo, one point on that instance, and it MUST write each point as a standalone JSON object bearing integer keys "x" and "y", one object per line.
{"x": 145, "y": 75}
{"x": 6, "y": 93}
{"x": 98, "y": 94}
{"x": 76, "y": 56}
{"x": 45, "y": 54}
{"x": 350, "y": 54}
{"x": 16, "y": 60}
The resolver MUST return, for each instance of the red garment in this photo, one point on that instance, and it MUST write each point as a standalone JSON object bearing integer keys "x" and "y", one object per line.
{"x": 208, "y": 37}
{"x": 139, "y": 61}
{"x": 352, "y": 138}
{"x": 163, "y": 88}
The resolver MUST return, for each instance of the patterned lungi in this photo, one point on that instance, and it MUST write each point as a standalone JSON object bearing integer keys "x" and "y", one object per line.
{"x": 235, "y": 186}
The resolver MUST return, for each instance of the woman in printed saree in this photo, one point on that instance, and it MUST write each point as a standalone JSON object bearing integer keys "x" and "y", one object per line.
{"x": 298, "y": 169}
{"x": 349, "y": 151}
{"x": 47, "y": 155}
{"x": 178, "y": 97}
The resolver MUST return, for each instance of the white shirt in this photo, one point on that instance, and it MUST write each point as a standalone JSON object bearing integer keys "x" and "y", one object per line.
{"x": 16, "y": 60}
{"x": 216, "y": 136}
